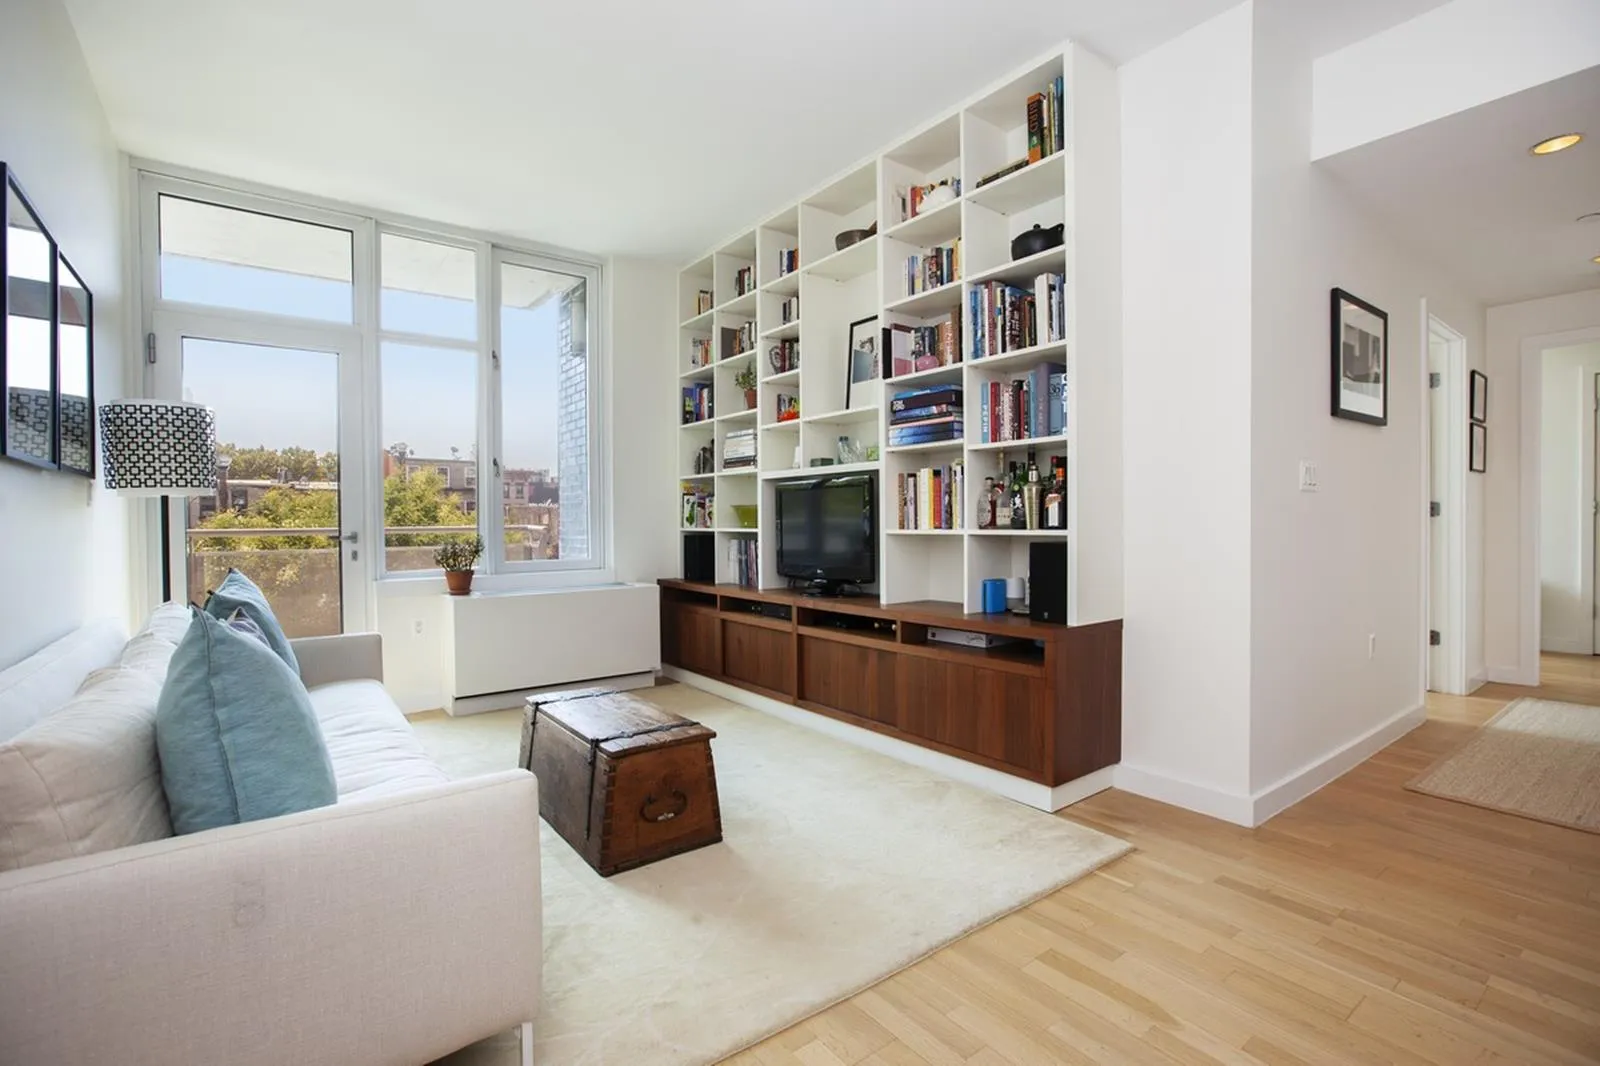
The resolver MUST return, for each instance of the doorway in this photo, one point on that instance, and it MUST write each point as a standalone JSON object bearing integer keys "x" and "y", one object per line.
{"x": 1446, "y": 629}
{"x": 1567, "y": 495}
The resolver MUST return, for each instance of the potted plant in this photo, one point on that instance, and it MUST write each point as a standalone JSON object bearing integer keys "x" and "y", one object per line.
{"x": 746, "y": 379}
{"x": 458, "y": 558}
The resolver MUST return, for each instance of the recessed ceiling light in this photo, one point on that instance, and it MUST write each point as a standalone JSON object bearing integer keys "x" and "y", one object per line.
{"x": 1556, "y": 144}
{"x": 1596, "y": 259}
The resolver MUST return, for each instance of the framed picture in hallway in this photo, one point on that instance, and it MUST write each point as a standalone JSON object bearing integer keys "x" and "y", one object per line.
{"x": 1359, "y": 360}
{"x": 1477, "y": 447}
{"x": 1480, "y": 396}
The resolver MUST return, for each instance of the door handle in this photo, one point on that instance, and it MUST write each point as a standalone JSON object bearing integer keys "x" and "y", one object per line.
{"x": 350, "y": 536}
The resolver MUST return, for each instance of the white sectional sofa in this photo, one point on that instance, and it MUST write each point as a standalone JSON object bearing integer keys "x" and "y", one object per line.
{"x": 394, "y": 927}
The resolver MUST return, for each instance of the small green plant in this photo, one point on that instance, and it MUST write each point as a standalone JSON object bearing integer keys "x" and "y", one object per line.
{"x": 746, "y": 377}
{"x": 459, "y": 556}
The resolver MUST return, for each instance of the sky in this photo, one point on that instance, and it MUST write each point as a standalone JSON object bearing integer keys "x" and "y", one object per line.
{"x": 279, "y": 397}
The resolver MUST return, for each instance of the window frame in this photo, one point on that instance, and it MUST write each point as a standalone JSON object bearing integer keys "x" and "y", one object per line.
{"x": 153, "y": 180}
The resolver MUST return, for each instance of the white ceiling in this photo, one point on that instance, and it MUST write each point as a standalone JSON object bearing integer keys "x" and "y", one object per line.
{"x": 637, "y": 126}
{"x": 1465, "y": 192}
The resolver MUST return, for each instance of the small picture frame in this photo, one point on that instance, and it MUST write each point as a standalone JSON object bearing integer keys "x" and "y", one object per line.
{"x": 863, "y": 363}
{"x": 1477, "y": 447}
{"x": 1479, "y": 397}
{"x": 1359, "y": 360}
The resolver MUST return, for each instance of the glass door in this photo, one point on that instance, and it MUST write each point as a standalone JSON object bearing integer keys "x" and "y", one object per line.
{"x": 288, "y": 507}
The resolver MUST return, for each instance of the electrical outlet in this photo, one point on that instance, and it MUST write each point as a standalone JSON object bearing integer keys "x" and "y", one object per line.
{"x": 1308, "y": 476}
{"x": 1372, "y": 645}
{"x": 416, "y": 627}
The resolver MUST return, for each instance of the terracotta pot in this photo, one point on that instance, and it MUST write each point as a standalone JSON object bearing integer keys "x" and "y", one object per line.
{"x": 749, "y": 397}
{"x": 458, "y": 581}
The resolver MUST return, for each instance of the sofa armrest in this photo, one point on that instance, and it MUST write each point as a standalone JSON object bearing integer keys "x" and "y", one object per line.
{"x": 384, "y": 932}
{"x": 349, "y": 657}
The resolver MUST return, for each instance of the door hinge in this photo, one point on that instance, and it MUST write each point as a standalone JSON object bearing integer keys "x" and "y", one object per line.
{"x": 1433, "y": 638}
{"x": 1436, "y": 379}
{"x": 1434, "y": 510}
{"x": 494, "y": 358}
{"x": 150, "y": 348}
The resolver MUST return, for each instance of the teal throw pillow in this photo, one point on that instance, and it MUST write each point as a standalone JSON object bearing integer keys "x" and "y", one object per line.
{"x": 239, "y": 593}
{"x": 236, "y": 733}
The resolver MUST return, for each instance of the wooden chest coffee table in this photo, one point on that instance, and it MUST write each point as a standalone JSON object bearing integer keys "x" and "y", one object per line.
{"x": 624, "y": 782}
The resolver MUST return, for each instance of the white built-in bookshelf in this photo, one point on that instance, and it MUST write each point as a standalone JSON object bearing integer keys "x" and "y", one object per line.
{"x": 1076, "y": 186}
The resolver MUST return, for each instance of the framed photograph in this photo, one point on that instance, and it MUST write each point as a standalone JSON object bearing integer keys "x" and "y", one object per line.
{"x": 1480, "y": 396}
{"x": 1360, "y": 360}
{"x": 900, "y": 342}
{"x": 864, "y": 363}
{"x": 1478, "y": 447}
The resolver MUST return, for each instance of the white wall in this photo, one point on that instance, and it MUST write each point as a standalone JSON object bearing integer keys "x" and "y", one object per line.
{"x": 1515, "y": 334}
{"x": 1566, "y": 487}
{"x": 1447, "y": 60}
{"x": 63, "y": 540}
{"x": 640, "y": 312}
{"x": 1330, "y": 568}
{"x": 1186, "y": 433}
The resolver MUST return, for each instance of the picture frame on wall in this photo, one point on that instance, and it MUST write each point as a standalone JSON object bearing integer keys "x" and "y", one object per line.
{"x": 1478, "y": 447}
{"x": 1359, "y": 359}
{"x": 1479, "y": 410}
{"x": 863, "y": 363}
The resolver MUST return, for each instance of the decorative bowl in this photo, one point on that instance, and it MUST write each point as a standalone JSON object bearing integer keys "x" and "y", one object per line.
{"x": 745, "y": 515}
{"x": 853, "y": 236}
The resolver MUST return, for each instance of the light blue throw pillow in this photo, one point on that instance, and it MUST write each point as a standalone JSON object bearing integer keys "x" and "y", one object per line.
{"x": 237, "y": 737}
{"x": 239, "y": 593}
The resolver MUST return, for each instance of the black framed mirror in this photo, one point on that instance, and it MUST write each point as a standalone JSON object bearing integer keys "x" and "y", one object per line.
{"x": 74, "y": 370}
{"x": 28, "y": 369}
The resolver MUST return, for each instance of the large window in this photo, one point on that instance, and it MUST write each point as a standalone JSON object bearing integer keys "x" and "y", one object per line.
{"x": 462, "y": 366}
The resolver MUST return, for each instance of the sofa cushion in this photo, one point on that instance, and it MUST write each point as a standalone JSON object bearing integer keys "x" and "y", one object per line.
{"x": 236, "y": 734}
{"x": 239, "y": 593}
{"x": 373, "y": 748}
{"x": 85, "y": 778}
{"x": 47, "y": 679}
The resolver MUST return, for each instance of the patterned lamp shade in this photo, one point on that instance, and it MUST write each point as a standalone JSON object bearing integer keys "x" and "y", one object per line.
{"x": 156, "y": 448}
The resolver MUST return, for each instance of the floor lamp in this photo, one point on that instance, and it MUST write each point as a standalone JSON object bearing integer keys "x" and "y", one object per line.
{"x": 159, "y": 448}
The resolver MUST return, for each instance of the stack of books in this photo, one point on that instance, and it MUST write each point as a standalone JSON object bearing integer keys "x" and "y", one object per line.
{"x": 935, "y": 267}
{"x": 1046, "y": 124}
{"x": 1032, "y": 405}
{"x": 788, "y": 261}
{"x": 911, "y": 199}
{"x": 739, "y": 449}
{"x": 1006, "y": 318}
{"x": 933, "y": 497}
{"x": 698, "y": 507}
{"x": 696, "y": 402}
{"x": 789, "y": 310}
{"x": 702, "y": 301}
{"x": 736, "y": 340}
{"x": 744, "y": 280}
{"x": 742, "y": 557}
{"x": 700, "y": 353}
{"x": 923, "y": 416}
{"x": 788, "y": 355}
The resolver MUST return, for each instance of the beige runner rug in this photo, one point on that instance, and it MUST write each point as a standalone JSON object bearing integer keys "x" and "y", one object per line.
{"x": 1537, "y": 758}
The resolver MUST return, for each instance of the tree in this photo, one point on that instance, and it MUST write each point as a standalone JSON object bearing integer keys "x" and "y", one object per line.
{"x": 420, "y": 500}
{"x": 261, "y": 463}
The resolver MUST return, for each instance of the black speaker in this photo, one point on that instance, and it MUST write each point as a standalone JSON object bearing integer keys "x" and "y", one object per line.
{"x": 700, "y": 557}
{"x": 1047, "y": 581}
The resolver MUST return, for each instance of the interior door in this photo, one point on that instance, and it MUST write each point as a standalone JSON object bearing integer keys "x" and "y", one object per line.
{"x": 289, "y": 510}
{"x": 1438, "y": 490}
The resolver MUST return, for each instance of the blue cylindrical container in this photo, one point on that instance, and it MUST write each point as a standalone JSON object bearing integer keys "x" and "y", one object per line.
{"x": 994, "y": 595}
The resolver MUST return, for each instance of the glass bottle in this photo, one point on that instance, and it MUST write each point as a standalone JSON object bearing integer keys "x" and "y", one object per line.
{"x": 1032, "y": 493}
{"x": 1055, "y": 495}
{"x": 986, "y": 505}
{"x": 1019, "y": 512}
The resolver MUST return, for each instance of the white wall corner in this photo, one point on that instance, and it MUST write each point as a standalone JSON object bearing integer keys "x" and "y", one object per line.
{"x": 1477, "y": 681}
{"x": 1202, "y": 799}
{"x": 1303, "y": 782}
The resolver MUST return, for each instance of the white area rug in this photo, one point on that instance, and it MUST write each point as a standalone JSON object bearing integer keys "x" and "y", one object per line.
{"x": 838, "y": 867}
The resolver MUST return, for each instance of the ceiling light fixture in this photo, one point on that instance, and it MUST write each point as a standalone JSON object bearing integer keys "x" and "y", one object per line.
{"x": 1551, "y": 145}
{"x": 1596, "y": 259}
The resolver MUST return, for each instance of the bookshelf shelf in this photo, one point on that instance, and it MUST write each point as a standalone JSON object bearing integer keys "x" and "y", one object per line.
{"x": 839, "y": 289}
{"x": 858, "y": 259}
{"x": 1049, "y": 261}
{"x": 1024, "y": 444}
{"x": 785, "y": 331}
{"x": 702, "y": 423}
{"x": 931, "y": 302}
{"x": 696, "y": 477}
{"x": 1034, "y": 184}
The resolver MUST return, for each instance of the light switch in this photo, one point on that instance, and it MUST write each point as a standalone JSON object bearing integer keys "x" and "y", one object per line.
{"x": 1308, "y": 476}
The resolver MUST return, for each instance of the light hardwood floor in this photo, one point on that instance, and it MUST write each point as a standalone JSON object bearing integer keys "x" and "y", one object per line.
{"x": 1367, "y": 924}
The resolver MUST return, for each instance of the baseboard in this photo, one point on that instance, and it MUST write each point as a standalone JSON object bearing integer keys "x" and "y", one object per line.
{"x": 1031, "y": 793}
{"x": 502, "y": 701}
{"x": 1303, "y": 782}
{"x": 1510, "y": 675}
{"x": 1202, "y": 799}
{"x": 1567, "y": 647}
{"x": 1476, "y": 681}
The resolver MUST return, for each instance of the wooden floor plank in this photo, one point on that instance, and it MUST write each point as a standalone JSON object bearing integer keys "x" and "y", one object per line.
{"x": 1366, "y": 924}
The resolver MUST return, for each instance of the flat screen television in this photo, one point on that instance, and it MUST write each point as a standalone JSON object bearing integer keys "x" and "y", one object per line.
{"x": 828, "y": 532}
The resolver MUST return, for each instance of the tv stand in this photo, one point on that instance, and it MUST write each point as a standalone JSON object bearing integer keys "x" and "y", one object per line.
{"x": 822, "y": 588}
{"x": 1047, "y": 708}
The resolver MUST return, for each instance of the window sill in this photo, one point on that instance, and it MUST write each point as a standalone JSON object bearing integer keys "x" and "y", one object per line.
{"x": 431, "y": 583}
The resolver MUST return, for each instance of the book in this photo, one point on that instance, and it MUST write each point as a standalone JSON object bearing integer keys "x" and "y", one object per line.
{"x": 932, "y": 497}
{"x": 1035, "y": 127}
{"x": 915, "y": 398}
{"x": 922, "y": 414}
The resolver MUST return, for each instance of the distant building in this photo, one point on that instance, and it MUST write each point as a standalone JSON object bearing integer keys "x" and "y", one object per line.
{"x": 572, "y": 404}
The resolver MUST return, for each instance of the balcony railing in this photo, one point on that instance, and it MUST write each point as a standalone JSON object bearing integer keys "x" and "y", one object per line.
{"x": 301, "y": 581}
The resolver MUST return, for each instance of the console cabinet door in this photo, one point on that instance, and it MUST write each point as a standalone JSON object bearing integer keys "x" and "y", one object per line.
{"x": 850, "y": 678}
{"x": 758, "y": 656}
{"x": 997, "y": 714}
{"x": 690, "y": 638}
